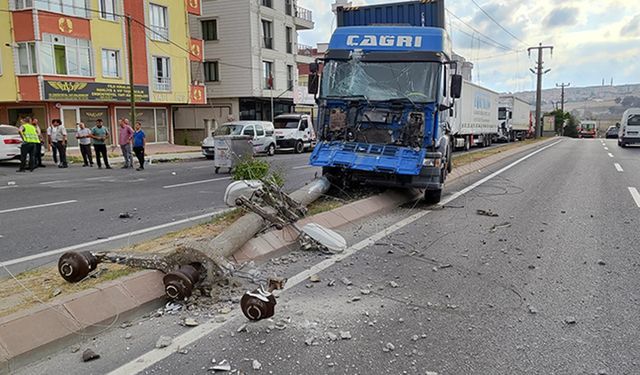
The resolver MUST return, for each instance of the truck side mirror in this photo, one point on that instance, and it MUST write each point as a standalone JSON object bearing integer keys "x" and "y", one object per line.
{"x": 456, "y": 86}
{"x": 312, "y": 86}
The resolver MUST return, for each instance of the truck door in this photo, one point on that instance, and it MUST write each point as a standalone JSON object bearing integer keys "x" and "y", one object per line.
{"x": 304, "y": 129}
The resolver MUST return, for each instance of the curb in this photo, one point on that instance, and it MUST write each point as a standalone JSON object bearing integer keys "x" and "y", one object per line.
{"x": 46, "y": 328}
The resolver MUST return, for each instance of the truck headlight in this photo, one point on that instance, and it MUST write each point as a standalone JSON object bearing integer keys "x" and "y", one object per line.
{"x": 436, "y": 163}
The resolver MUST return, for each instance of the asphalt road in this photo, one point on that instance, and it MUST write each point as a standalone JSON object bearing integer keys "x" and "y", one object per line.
{"x": 549, "y": 286}
{"x": 52, "y": 208}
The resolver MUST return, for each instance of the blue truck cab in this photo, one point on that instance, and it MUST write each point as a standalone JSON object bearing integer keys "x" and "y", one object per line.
{"x": 385, "y": 96}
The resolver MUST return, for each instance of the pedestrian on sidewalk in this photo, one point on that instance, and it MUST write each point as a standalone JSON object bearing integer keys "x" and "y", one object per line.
{"x": 139, "y": 142}
{"x": 38, "y": 150}
{"x": 84, "y": 140}
{"x": 60, "y": 141}
{"x": 29, "y": 140}
{"x": 125, "y": 137}
{"x": 99, "y": 135}
{"x": 50, "y": 146}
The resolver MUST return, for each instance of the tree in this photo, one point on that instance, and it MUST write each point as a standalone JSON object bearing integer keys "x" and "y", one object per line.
{"x": 571, "y": 130}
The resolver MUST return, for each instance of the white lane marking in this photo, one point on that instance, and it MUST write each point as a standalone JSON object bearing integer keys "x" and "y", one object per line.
{"x": 303, "y": 167}
{"x": 8, "y": 187}
{"x": 112, "y": 238}
{"x": 204, "y": 166}
{"x": 618, "y": 167}
{"x": 195, "y": 182}
{"x": 635, "y": 195}
{"x": 156, "y": 355}
{"x": 36, "y": 206}
{"x": 610, "y": 155}
{"x": 97, "y": 178}
{"x": 53, "y": 182}
{"x": 606, "y": 148}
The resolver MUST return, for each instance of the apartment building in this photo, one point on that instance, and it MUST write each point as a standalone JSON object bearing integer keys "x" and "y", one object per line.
{"x": 68, "y": 59}
{"x": 251, "y": 56}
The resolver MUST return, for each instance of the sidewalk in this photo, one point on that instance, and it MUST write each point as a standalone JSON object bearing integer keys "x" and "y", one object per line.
{"x": 153, "y": 153}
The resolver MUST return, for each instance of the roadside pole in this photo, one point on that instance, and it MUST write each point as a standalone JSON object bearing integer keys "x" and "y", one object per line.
{"x": 539, "y": 71}
{"x": 131, "y": 83}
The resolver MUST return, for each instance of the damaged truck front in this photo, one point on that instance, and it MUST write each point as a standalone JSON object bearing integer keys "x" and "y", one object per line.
{"x": 385, "y": 97}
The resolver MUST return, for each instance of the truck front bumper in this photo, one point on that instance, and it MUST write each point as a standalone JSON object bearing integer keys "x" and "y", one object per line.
{"x": 429, "y": 178}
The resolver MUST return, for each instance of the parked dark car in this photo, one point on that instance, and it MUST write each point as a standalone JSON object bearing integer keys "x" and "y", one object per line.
{"x": 612, "y": 132}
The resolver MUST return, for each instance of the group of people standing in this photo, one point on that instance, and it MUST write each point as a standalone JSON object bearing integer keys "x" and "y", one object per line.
{"x": 57, "y": 138}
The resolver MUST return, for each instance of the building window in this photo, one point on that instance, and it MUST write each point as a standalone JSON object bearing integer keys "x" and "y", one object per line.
{"x": 27, "y": 58}
{"x": 269, "y": 81}
{"x": 267, "y": 34}
{"x": 111, "y": 63}
{"x": 267, "y": 3}
{"x": 77, "y": 8}
{"x": 158, "y": 22}
{"x": 209, "y": 29}
{"x": 211, "y": 73}
{"x": 65, "y": 56}
{"x": 289, "y": 38}
{"x": 289, "y": 77}
{"x": 107, "y": 9}
{"x": 287, "y": 7}
{"x": 162, "y": 74}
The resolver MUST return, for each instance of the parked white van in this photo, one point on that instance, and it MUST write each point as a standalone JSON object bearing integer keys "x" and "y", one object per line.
{"x": 629, "y": 127}
{"x": 294, "y": 132}
{"x": 261, "y": 132}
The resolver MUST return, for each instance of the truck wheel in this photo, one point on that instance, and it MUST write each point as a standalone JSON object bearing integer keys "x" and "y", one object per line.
{"x": 299, "y": 149}
{"x": 432, "y": 196}
{"x": 467, "y": 144}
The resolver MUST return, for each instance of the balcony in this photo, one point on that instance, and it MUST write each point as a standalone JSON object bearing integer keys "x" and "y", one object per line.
{"x": 305, "y": 54}
{"x": 162, "y": 84}
{"x": 303, "y": 18}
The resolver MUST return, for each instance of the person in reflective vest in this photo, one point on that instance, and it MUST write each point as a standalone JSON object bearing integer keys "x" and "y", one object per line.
{"x": 30, "y": 138}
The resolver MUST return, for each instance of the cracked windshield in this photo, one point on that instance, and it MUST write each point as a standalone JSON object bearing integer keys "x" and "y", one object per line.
{"x": 442, "y": 187}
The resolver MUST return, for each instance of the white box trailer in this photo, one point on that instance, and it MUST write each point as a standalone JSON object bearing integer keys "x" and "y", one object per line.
{"x": 514, "y": 118}
{"x": 476, "y": 117}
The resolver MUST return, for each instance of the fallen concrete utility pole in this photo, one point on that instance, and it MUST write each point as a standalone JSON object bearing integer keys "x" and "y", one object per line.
{"x": 197, "y": 265}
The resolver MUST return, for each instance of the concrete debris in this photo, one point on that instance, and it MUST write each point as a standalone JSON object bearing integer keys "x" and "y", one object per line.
{"x": 242, "y": 328}
{"x": 172, "y": 307}
{"x": 223, "y": 365}
{"x": 346, "y": 281}
{"x": 125, "y": 215}
{"x": 345, "y": 335}
{"x": 443, "y": 266}
{"x": 128, "y": 336}
{"x": 256, "y": 365}
{"x": 89, "y": 355}
{"x": 125, "y": 325}
{"x": 499, "y": 226}
{"x": 225, "y": 310}
{"x": 532, "y": 310}
{"x": 332, "y": 336}
{"x": 182, "y": 351}
{"x": 57, "y": 292}
{"x": 570, "y": 320}
{"x": 356, "y": 299}
{"x": 310, "y": 341}
{"x": 75, "y": 349}
{"x": 314, "y": 278}
{"x": 365, "y": 292}
{"x": 488, "y": 213}
{"x": 163, "y": 342}
{"x": 389, "y": 347}
{"x": 190, "y": 322}
{"x": 415, "y": 338}
{"x": 331, "y": 283}
{"x": 601, "y": 262}
{"x": 393, "y": 284}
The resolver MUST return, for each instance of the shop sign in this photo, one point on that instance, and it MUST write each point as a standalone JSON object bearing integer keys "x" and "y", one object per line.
{"x": 92, "y": 91}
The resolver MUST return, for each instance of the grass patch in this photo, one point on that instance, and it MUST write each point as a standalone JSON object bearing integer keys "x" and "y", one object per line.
{"x": 324, "y": 204}
{"x": 44, "y": 284}
{"x": 470, "y": 157}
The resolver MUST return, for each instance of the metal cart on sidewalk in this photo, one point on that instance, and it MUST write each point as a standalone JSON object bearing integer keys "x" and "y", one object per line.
{"x": 230, "y": 149}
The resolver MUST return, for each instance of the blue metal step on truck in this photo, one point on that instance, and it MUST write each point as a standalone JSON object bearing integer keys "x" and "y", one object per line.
{"x": 385, "y": 97}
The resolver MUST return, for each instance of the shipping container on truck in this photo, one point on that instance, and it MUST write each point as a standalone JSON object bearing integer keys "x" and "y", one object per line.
{"x": 514, "y": 118}
{"x": 408, "y": 13}
{"x": 476, "y": 117}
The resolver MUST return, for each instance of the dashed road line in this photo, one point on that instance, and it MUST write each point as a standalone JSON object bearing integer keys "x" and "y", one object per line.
{"x": 36, "y": 206}
{"x": 196, "y": 182}
{"x": 635, "y": 195}
{"x": 619, "y": 167}
{"x": 610, "y": 155}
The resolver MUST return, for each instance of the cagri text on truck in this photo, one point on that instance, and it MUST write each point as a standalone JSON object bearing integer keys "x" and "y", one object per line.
{"x": 385, "y": 97}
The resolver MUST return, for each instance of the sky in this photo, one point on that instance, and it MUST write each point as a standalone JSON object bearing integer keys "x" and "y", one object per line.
{"x": 592, "y": 40}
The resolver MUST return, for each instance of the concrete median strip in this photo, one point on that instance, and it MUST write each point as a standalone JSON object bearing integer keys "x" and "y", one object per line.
{"x": 48, "y": 327}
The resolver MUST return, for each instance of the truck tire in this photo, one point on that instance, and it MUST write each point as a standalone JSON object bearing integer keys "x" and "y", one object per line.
{"x": 271, "y": 150}
{"x": 467, "y": 143}
{"x": 299, "y": 147}
{"x": 432, "y": 196}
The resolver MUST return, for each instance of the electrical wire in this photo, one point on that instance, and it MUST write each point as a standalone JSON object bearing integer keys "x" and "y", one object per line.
{"x": 497, "y": 23}
{"x": 503, "y": 46}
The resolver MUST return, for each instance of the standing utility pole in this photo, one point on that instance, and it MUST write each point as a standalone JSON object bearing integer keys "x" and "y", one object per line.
{"x": 539, "y": 71}
{"x": 562, "y": 85}
{"x": 131, "y": 84}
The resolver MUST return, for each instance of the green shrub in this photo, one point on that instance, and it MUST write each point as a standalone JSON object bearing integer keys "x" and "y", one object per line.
{"x": 250, "y": 169}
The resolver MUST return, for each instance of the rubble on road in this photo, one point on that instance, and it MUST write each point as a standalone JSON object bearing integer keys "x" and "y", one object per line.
{"x": 89, "y": 355}
{"x": 488, "y": 213}
{"x": 163, "y": 342}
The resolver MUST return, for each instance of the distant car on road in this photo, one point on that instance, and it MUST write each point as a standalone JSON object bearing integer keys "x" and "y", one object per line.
{"x": 629, "y": 127}
{"x": 208, "y": 149}
{"x": 612, "y": 132}
{"x": 10, "y": 142}
{"x": 587, "y": 129}
{"x": 261, "y": 133}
